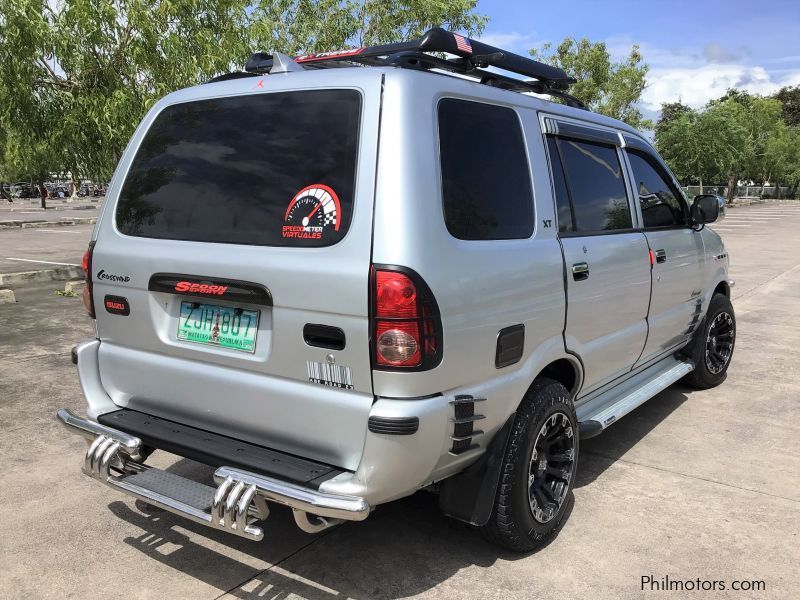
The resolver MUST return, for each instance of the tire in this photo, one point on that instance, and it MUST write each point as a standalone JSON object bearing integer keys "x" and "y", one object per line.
{"x": 712, "y": 346}
{"x": 513, "y": 523}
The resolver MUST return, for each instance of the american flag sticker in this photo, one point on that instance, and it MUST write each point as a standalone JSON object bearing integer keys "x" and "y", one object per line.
{"x": 462, "y": 43}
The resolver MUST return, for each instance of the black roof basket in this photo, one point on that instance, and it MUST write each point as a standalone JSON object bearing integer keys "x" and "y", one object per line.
{"x": 472, "y": 58}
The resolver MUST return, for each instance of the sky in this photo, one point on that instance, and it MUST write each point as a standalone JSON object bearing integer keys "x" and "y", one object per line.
{"x": 695, "y": 49}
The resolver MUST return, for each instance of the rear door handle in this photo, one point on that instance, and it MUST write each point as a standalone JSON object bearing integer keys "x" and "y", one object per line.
{"x": 580, "y": 271}
{"x": 661, "y": 256}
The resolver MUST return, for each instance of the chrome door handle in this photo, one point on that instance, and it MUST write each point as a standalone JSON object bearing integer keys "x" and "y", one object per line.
{"x": 580, "y": 271}
{"x": 661, "y": 256}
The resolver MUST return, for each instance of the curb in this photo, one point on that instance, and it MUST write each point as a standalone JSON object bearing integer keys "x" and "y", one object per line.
{"x": 12, "y": 280}
{"x": 75, "y": 285}
{"x": 38, "y": 224}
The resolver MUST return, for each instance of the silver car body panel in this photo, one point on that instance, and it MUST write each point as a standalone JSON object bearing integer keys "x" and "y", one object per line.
{"x": 607, "y": 318}
{"x": 480, "y": 287}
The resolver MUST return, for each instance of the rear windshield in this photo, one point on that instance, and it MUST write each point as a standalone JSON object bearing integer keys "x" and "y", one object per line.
{"x": 264, "y": 169}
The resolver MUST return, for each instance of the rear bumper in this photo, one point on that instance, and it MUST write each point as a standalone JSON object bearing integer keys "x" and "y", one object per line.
{"x": 236, "y": 505}
{"x": 387, "y": 466}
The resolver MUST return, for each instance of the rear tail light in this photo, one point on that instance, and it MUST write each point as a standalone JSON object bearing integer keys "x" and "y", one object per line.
{"x": 86, "y": 264}
{"x": 406, "y": 327}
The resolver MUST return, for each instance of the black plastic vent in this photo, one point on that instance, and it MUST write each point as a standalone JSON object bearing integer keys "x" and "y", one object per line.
{"x": 394, "y": 425}
{"x": 464, "y": 418}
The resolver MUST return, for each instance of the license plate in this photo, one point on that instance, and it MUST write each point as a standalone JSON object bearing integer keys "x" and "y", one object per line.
{"x": 221, "y": 326}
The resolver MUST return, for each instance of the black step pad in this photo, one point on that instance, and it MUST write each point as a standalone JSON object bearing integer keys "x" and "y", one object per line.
{"x": 218, "y": 450}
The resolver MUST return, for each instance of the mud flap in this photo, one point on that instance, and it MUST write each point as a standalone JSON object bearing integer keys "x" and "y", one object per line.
{"x": 469, "y": 496}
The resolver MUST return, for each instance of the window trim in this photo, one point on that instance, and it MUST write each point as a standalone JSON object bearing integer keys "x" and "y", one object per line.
{"x": 625, "y": 179}
{"x": 143, "y": 129}
{"x": 528, "y": 162}
{"x": 546, "y": 138}
{"x": 647, "y": 155}
{"x": 569, "y": 129}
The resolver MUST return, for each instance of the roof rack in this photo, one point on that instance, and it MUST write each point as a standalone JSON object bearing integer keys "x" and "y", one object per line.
{"x": 472, "y": 58}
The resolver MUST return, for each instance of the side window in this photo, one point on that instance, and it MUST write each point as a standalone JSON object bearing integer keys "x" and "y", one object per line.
{"x": 596, "y": 186}
{"x": 563, "y": 208}
{"x": 486, "y": 184}
{"x": 661, "y": 205}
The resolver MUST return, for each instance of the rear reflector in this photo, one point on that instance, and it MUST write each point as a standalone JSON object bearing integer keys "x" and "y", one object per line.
{"x": 406, "y": 327}
{"x": 86, "y": 264}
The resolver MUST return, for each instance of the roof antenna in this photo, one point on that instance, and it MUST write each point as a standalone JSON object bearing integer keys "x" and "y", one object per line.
{"x": 281, "y": 63}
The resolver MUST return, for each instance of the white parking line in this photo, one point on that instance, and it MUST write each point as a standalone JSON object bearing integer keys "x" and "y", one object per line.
{"x": 46, "y": 262}
{"x": 61, "y": 231}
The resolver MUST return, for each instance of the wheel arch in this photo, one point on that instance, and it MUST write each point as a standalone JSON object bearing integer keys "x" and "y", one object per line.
{"x": 567, "y": 371}
{"x": 723, "y": 287}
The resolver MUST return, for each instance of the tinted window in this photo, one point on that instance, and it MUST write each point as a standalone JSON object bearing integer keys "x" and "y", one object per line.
{"x": 563, "y": 210}
{"x": 661, "y": 206}
{"x": 267, "y": 169}
{"x": 596, "y": 186}
{"x": 485, "y": 178}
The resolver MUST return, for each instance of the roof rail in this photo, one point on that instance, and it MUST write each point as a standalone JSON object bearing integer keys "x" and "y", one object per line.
{"x": 473, "y": 57}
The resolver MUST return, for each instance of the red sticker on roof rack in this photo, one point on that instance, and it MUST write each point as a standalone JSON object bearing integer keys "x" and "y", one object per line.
{"x": 314, "y": 210}
{"x": 328, "y": 55}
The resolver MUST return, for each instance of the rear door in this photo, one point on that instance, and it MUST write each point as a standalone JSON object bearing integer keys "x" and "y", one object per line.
{"x": 678, "y": 251}
{"x": 239, "y": 239}
{"x": 607, "y": 261}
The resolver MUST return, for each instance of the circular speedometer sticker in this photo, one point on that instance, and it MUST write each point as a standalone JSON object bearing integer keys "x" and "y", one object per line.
{"x": 312, "y": 213}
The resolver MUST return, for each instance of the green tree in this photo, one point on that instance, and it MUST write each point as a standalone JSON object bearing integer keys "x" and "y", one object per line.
{"x": 303, "y": 26}
{"x": 82, "y": 73}
{"x": 703, "y": 145}
{"x": 783, "y": 150}
{"x": 607, "y": 87}
{"x": 669, "y": 112}
{"x": 789, "y": 97}
{"x": 761, "y": 119}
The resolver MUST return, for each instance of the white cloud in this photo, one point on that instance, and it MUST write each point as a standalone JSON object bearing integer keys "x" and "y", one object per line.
{"x": 693, "y": 75}
{"x": 696, "y": 75}
{"x": 695, "y": 86}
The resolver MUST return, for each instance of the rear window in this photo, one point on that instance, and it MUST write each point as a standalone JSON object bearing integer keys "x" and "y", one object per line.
{"x": 264, "y": 169}
{"x": 486, "y": 182}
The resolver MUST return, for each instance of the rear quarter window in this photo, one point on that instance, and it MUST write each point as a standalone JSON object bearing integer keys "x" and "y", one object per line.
{"x": 486, "y": 184}
{"x": 264, "y": 169}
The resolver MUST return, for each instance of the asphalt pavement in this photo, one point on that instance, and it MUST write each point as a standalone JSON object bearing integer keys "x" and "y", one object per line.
{"x": 690, "y": 485}
{"x": 43, "y": 247}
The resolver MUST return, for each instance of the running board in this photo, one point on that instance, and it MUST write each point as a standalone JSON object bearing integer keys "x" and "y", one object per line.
{"x": 597, "y": 413}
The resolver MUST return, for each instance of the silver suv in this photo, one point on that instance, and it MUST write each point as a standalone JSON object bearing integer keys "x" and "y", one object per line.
{"x": 339, "y": 286}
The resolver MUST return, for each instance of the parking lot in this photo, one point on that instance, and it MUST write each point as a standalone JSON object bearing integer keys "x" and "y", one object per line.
{"x": 691, "y": 485}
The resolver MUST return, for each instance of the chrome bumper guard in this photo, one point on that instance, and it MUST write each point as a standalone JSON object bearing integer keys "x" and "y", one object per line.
{"x": 235, "y": 506}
